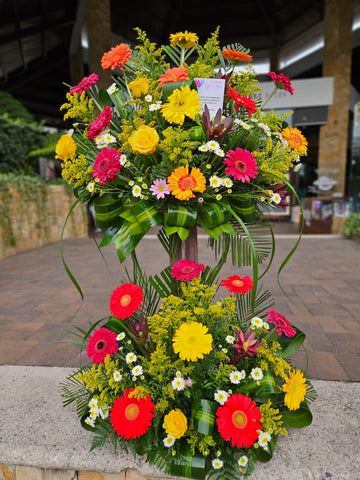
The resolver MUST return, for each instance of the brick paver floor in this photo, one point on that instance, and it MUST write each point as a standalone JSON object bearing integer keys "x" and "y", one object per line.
{"x": 39, "y": 304}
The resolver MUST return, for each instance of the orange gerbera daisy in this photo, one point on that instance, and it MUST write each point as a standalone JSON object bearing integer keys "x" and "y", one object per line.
{"x": 176, "y": 74}
{"x": 295, "y": 139}
{"x": 116, "y": 57}
{"x": 182, "y": 184}
{"x": 236, "y": 57}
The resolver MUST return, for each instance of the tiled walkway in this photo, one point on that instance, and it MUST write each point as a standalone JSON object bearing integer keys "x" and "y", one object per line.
{"x": 38, "y": 302}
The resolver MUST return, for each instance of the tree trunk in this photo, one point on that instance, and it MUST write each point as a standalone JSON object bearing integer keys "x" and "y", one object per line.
{"x": 191, "y": 245}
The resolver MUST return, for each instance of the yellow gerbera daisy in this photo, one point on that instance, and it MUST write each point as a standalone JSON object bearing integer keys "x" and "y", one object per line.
{"x": 182, "y": 184}
{"x": 182, "y": 102}
{"x": 184, "y": 39}
{"x": 191, "y": 341}
{"x": 295, "y": 389}
{"x": 295, "y": 139}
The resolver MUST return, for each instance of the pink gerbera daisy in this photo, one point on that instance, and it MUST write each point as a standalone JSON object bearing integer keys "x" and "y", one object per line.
{"x": 106, "y": 164}
{"x": 282, "y": 325}
{"x": 85, "y": 84}
{"x": 282, "y": 82}
{"x": 160, "y": 188}
{"x": 100, "y": 123}
{"x": 241, "y": 165}
{"x": 186, "y": 270}
{"x": 101, "y": 343}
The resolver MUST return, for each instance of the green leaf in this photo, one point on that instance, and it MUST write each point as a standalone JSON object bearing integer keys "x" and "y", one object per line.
{"x": 107, "y": 211}
{"x": 289, "y": 345}
{"x": 261, "y": 390}
{"x": 168, "y": 88}
{"x": 104, "y": 98}
{"x": 188, "y": 465}
{"x": 203, "y": 415}
{"x": 302, "y": 417}
{"x": 263, "y": 455}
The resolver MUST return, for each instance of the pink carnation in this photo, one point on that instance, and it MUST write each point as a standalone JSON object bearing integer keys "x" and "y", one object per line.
{"x": 282, "y": 82}
{"x": 241, "y": 164}
{"x": 100, "y": 123}
{"x": 283, "y": 326}
{"x": 106, "y": 165}
{"x": 186, "y": 270}
{"x": 85, "y": 84}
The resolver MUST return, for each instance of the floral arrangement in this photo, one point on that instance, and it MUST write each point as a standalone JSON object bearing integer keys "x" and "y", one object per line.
{"x": 202, "y": 386}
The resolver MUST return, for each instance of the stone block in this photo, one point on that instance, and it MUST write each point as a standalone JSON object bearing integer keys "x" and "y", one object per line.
{"x": 100, "y": 476}
{"x": 135, "y": 475}
{"x": 51, "y": 474}
{"x": 28, "y": 473}
{"x": 7, "y": 472}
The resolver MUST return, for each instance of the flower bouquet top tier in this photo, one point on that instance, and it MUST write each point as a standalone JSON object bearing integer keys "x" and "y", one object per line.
{"x": 178, "y": 144}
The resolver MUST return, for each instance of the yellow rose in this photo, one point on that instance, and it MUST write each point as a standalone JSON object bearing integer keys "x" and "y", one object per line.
{"x": 65, "y": 148}
{"x": 139, "y": 86}
{"x": 144, "y": 140}
{"x": 175, "y": 423}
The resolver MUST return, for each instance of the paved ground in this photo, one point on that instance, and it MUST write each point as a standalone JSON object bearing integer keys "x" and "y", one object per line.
{"x": 38, "y": 302}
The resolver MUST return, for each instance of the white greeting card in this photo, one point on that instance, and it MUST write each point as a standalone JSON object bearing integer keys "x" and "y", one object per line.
{"x": 211, "y": 93}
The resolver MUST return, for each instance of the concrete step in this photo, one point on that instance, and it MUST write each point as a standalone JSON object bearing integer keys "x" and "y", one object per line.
{"x": 37, "y": 432}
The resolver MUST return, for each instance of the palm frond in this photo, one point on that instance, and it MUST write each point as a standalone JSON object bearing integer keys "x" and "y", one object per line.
{"x": 103, "y": 429}
{"x": 170, "y": 243}
{"x": 245, "y": 312}
{"x": 73, "y": 390}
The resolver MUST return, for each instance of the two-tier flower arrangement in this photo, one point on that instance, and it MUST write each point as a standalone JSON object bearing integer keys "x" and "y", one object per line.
{"x": 201, "y": 387}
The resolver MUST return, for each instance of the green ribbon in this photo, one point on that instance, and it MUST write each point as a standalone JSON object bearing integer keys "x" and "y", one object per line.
{"x": 244, "y": 207}
{"x": 214, "y": 219}
{"x": 188, "y": 465}
{"x": 179, "y": 219}
{"x": 203, "y": 415}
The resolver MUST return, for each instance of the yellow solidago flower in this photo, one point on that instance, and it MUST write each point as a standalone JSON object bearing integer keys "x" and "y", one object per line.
{"x": 139, "y": 87}
{"x": 65, "y": 148}
{"x": 184, "y": 39}
{"x": 295, "y": 389}
{"x": 182, "y": 184}
{"x": 191, "y": 341}
{"x": 182, "y": 103}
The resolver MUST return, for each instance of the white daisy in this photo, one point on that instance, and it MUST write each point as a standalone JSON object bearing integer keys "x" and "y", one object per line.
{"x": 137, "y": 371}
{"x": 117, "y": 376}
{"x": 264, "y": 439}
{"x": 276, "y": 198}
{"x": 120, "y": 336}
{"x": 70, "y": 132}
{"x": 230, "y": 339}
{"x": 243, "y": 461}
{"x": 104, "y": 412}
{"x": 203, "y": 148}
{"x": 227, "y": 182}
{"x": 257, "y": 322}
{"x": 123, "y": 159}
{"x": 148, "y": 98}
{"x": 154, "y": 106}
{"x": 212, "y": 145}
{"x": 130, "y": 357}
{"x": 256, "y": 373}
{"x": 94, "y": 413}
{"x": 235, "y": 377}
{"x": 266, "y": 325}
{"x": 90, "y": 421}
{"x": 242, "y": 374}
{"x": 219, "y": 152}
{"x": 221, "y": 396}
{"x": 297, "y": 167}
{"x": 266, "y": 128}
{"x": 169, "y": 441}
{"x": 178, "y": 384}
{"x": 217, "y": 463}
{"x": 112, "y": 89}
{"x": 215, "y": 181}
{"x": 91, "y": 187}
{"x": 136, "y": 191}
{"x": 108, "y": 138}
{"x": 242, "y": 124}
{"x": 218, "y": 197}
{"x": 93, "y": 403}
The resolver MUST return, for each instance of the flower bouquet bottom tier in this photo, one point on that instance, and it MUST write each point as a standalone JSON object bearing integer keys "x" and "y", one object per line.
{"x": 203, "y": 388}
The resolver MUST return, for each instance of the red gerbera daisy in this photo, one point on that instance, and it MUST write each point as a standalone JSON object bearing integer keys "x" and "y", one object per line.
{"x": 235, "y": 57}
{"x": 241, "y": 165}
{"x": 116, "y": 57}
{"x": 106, "y": 164}
{"x": 238, "y": 420}
{"x": 130, "y": 416}
{"x": 125, "y": 300}
{"x": 101, "y": 343}
{"x": 186, "y": 270}
{"x": 100, "y": 123}
{"x": 282, "y": 82}
{"x": 85, "y": 84}
{"x": 241, "y": 101}
{"x": 282, "y": 325}
{"x": 238, "y": 285}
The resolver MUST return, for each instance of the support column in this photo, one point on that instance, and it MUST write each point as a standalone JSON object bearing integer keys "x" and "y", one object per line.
{"x": 98, "y": 24}
{"x": 337, "y": 64}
